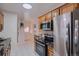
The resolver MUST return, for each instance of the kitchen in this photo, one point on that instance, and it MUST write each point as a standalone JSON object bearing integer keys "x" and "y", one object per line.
{"x": 59, "y": 29}
{"x": 50, "y": 33}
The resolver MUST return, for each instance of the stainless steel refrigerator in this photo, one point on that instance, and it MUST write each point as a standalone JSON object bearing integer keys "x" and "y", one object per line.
{"x": 66, "y": 34}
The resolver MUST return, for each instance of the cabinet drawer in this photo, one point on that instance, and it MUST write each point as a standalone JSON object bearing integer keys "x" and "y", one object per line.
{"x": 55, "y": 12}
{"x": 50, "y": 53}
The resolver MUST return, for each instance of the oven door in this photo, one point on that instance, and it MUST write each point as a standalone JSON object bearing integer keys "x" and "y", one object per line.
{"x": 40, "y": 48}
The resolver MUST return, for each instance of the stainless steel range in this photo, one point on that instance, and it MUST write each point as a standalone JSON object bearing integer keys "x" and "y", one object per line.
{"x": 40, "y": 46}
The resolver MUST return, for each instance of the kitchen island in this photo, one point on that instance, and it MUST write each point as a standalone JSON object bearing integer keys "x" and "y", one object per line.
{"x": 5, "y": 46}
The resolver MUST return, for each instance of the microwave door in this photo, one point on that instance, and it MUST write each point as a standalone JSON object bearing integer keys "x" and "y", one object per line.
{"x": 56, "y": 21}
{"x": 65, "y": 34}
{"x": 48, "y": 25}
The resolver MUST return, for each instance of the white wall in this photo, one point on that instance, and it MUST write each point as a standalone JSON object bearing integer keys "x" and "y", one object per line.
{"x": 10, "y": 28}
{"x": 30, "y": 25}
{"x": 36, "y": 30}
{"x": 26, "y": 36}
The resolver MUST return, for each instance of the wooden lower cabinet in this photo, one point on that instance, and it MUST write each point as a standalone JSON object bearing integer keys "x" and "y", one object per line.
{"x": 50, "y": 51}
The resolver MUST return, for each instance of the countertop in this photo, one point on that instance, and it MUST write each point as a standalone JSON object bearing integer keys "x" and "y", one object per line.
{"x": 5, "y": 43}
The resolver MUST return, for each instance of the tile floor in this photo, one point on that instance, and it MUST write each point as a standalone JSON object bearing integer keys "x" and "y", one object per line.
{"x": 24, "y": 48}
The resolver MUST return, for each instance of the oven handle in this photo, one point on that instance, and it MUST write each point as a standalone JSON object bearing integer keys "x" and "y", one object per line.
{"x": 40, "y": 43}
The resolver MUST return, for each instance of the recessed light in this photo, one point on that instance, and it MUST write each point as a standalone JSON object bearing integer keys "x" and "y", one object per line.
{"x": 27, "y": 6}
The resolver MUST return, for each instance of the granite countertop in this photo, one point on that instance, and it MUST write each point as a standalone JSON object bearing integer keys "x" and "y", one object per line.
{"x": 4, "y": 43}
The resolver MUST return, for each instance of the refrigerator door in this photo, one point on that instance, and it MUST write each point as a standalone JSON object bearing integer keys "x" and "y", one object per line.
{"x": 75, "y": 32}
{"x": 56, "y": 35}
{"x": 65, "y": 34}
{"x": 62, "y": 33}
{"x": 62, "y": 36}
{"x": 76, "y": 44}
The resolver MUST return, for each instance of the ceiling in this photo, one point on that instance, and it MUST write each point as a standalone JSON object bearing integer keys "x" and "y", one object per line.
{"x": 37, "y": 8}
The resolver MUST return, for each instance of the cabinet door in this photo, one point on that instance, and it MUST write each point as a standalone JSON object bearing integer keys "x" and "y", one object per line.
{"x": 76, "y": 6}
{"x": 48, "y": 16}
{"x": 68, "y": 8}
{"x": 40, "y": 20}
{"x": 50, "y": 51}
{"x": 1, "y": 22}
{"x": 55, "y": 12}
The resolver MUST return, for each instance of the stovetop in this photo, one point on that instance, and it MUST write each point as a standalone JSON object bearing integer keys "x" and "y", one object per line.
{"x": 41, "y": 40}
{"x": 45, "y": 39}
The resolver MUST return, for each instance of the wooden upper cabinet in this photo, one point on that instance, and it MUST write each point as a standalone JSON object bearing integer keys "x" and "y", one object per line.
{"x": 68, "y": 7}
{"x": 48, "y": 16}
{"x": 1, "y": 21}
{"x": 55, "y": 12}
{"x": 40, "y": 20}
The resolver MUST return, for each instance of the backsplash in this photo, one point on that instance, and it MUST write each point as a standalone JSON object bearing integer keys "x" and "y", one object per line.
{"x": 50, "y": 33}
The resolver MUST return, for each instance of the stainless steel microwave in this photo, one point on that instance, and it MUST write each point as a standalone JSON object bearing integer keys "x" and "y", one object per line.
{"x": 46, "y": 26}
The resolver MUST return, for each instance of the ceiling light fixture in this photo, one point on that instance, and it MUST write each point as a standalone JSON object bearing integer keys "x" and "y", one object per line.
{"x": 27, "y": 6}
